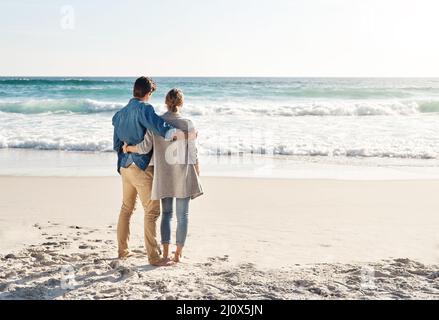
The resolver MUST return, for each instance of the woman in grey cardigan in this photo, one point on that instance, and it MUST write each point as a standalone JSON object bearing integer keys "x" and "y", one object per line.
{"x": 176, "y": 172}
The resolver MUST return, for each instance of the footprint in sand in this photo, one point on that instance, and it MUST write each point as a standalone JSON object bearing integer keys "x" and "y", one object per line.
{"x": 40, "y": 256}
{"x": 111, "y": 290}
{"x": 223, "y": 258}
{"x": 125, "y": 272}
{"x": 304, "y": 283}
{"x": 10, "y": 256}
{"x": 114, "y": 264}
{"x": 4, "y": 287}
{"x": 86, "y": 246}
{"x": 51, "y": 244}
{"x": 53, "y": 254}
{"x": 10, "y": 275}
{"x": 319, "y": 291}
{"x": 66, "y": 258}
{"x": 53, "y": 282}
{"x": 83, "y": 256}
{"x": 380, "y": 274}
{"x": 98, "y": 261}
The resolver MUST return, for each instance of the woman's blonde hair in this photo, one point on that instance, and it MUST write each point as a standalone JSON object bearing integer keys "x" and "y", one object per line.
{"x": 174, "y": 99}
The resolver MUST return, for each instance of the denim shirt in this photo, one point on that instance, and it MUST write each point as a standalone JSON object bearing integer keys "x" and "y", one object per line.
{"x": 130, "y": 125}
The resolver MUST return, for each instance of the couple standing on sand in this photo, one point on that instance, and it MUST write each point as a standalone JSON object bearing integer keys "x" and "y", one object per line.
{"x": 157, "y": 159}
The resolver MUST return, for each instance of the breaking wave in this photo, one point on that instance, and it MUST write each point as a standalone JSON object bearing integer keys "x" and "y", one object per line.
{"x": 296, "y": 109}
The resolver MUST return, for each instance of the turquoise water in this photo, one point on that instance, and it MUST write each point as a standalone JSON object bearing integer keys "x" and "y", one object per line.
{"x": 288, "y": 116}
{"x": 37, "y": 95}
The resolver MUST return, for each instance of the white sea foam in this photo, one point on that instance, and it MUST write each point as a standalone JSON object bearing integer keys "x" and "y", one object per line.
{"x": 35, "y": 106}
{"x": 322, "y": 108}
{"x": 267, "y": 108}
{"x": 412, "y": 137}
{"x": 314, "y": 108}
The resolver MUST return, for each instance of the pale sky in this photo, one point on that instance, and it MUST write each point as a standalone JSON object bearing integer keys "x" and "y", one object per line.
{"x": 219, "y": 38}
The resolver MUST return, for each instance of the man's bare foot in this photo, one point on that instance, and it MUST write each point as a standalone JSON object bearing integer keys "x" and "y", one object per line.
{"x": 165, "y": 262}
{"x": 165, "y": 251}
{"x": 126, "y": 255}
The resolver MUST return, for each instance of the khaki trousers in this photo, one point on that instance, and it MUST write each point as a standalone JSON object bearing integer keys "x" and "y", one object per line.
{"x": 138, "y": 182}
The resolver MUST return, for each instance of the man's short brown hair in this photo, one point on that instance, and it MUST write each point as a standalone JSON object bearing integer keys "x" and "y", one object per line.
{"x": 143, "y": 86}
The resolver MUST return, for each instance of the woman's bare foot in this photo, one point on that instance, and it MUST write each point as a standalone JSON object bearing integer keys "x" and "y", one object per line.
{"x": 178, "y": 254}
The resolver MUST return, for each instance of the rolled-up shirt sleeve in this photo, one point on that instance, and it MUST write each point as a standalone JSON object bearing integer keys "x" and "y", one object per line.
{"x": 156, "y": 124}
{"x": 145, "y": 146}
{"x": 117, "y": 144}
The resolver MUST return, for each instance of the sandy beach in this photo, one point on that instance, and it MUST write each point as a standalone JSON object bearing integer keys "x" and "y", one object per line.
{"x": 248, "y": 238}
{"x": 314, "y": 124}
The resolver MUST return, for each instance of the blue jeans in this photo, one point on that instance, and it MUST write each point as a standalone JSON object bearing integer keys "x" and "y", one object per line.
{"x": 182, "y": 208}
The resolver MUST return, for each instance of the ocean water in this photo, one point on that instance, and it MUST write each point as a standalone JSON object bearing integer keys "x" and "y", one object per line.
{"x": 295, "y": 117}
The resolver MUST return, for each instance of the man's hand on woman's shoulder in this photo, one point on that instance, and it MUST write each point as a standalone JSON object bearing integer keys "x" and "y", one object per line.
{"x": 181, "y": 135}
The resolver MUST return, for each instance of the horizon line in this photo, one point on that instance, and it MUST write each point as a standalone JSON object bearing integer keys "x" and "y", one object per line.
{"x": 218, "y": 76}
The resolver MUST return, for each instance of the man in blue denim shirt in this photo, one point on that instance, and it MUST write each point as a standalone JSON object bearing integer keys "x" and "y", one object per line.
{"x": 130, "y": 125}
